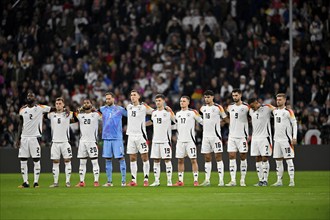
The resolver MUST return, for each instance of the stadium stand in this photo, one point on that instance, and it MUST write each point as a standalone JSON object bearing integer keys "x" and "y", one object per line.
{"x": 83, "y": 48}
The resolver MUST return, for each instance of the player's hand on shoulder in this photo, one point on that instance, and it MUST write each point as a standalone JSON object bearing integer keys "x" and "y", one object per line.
{"x": 168, "y": 108}
{"x": 17, "y": 144}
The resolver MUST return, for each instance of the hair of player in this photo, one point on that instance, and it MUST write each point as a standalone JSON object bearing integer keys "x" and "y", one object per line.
{"x": 236, "y": 90}
{"x": 60, "y": 99}
{"x": 252, "y": 100}
{"x": 281, "y": 95}
{"x": 186, "y": 97}
{"x": 160, "y": 96}
{"x": 134, "y": 91}
{"x": 110, "y": 93}
{"x": 208, "y": 92}
{"x": 30, "y": 91}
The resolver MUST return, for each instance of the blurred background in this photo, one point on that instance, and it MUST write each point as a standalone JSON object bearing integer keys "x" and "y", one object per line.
{"x": 83, "y": 48}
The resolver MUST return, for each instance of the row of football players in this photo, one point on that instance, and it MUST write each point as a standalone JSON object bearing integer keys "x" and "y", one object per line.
{"x": 161, "y": 119}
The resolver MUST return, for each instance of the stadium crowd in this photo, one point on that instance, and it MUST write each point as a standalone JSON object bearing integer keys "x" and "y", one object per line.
{"x": 79, "y": 48}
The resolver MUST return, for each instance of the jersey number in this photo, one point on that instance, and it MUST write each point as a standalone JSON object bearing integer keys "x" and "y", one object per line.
{"x": 30, "y": 116}
{"x": 159, "y": 120}
{"x": 207, "y": 115}
{"x": 59, "y": 121}
{"x": 278, "y": 119}
{"x": 167, "y": 150}
{"x": 93, "y": 150}
{"x": 218, "y": 145}
{"x": 87, "y": 121}
{"x": 257, "y": 116}
{"x": 133, "y": 113}
{"x": 236, "y": 115}
{"x": 183, "y": 120}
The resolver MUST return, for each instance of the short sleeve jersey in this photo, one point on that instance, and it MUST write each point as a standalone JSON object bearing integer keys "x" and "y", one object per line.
{"x": 185, "y": 121}
{"x": 60, "y": 125}
{"x": 261, "y": 121}
{"x": 285, "y": 124}
{"x": 238, "y": 124}
{"x": 136, "y": 119}
{"x": 89, "y": 124}
{"x": 162, "y": 131}
{"x": 212, "y": 115}
{"x": 32, "y": 120}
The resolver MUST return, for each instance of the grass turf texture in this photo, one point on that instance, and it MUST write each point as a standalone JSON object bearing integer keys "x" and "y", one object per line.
{"x": 309, "y": 199}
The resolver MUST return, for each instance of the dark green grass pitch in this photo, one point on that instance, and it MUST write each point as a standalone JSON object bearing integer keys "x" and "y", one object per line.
{"x": 309, "y": 199}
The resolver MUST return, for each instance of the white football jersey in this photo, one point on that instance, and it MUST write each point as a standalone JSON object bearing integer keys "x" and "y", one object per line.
{"x": 212, "y": 115}
{"x": 285, "y": 125}
{"x": 32, "y": 120}
{"x": 89, "y": 124}
{"x": 261, "y": 121}
{"x": 60, "y": 125}
{"x": 238, "y": 125}
{"x": 136, "y": 119}
{"x": 161, "y": 121}
{"x": 185, "y": 122}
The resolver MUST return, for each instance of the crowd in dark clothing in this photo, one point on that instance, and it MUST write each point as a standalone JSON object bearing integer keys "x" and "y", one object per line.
{"x": 83, "y": 48}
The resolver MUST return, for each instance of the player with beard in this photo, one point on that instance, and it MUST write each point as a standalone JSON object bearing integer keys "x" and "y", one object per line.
{"x": 88, "y": 124}
{"x": 29, "y": 130}
{"x": 112, "y": 135}
{"x": 238, "y": 136}
{"x": 285, "y": 137}
{"x": 261, "y": 144}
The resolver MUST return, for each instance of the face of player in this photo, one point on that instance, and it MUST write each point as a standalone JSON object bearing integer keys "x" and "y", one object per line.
{"x": 135, "y": 97}
{"x": 184, "y": 102}
{"x": 255, "y": 105}
{"x": 280, "y": 101}
{"x": 109, "y": 100}
{"x": 159, "y": 103}
{"x": 59, "y": 105}
{"x": 208, "y": 99}
{"x": 87, "y": 105}
{"x": 236, "y": 97}
{"x": 30, "y": 98}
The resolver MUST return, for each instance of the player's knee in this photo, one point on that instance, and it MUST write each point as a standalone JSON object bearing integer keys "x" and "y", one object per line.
{"x": 132, "y": 157}
{"x": 144, "y": 157}
{"x": 208, "y": 157}
{"x": 218, "y": 157}
{"x": 180, "y": 160}
{"x": 193, "y": 161}
{"x": 264, "y": 159}
{"x": 258, "y": 158}
{"x": 242, "y": 156}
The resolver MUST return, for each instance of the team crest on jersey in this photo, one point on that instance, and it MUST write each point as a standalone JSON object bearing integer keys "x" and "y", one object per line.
{"x": 130, "y": 108}
{"x": 232, "y": 110}
{"x": 164, "y": 114}
{"x": 242, "y": 110}
{"x": 179, "y": 116}
{"x": 204, "y": 110}
{"x": 188, "y": 115}
{"x": 139, "y": 108}
{"x": 54, "y": 116}
{"x": 25, "y": 112}
{"x": 83, "y": 117}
